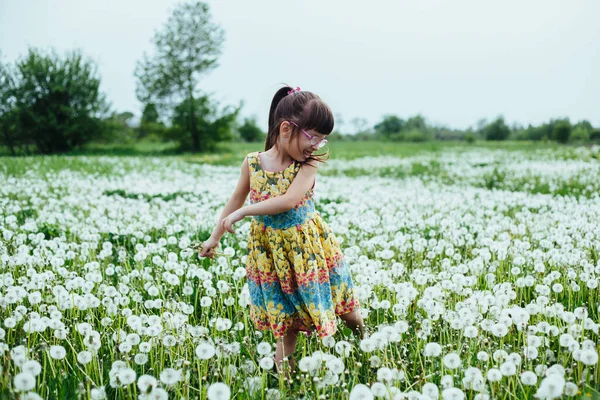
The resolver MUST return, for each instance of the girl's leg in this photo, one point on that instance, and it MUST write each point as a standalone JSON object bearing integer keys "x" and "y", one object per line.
{"x": 285, "y": 348}
{"x": 354, "y": 321}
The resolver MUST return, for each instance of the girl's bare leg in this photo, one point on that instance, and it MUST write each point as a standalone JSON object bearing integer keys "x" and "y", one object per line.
{"x": 354, "y": 321}
{"x": 285, "y": 348}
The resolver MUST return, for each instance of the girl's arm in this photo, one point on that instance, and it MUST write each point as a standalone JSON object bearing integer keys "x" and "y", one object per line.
{"x": 302, "y": 183}
{"x": 236, "y": 201}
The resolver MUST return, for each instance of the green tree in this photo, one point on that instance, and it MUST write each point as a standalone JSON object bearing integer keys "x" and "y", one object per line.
{"x": 580, "y": 134}
{"x": 416, "y": 123}
{"x": 8, "y": 111}
{"x": 214, "y": 124}
{"x": 117, "y": 128}
{"x": 52, "y": 103}
{"x": 250, "y": 131}
{"x": 187, "y": 47}
{"x": 149, "y": 123}
{"x": 496, "y": 130}
{"x": 562, "y": 131}
{"x": 150, "y": 113}
{"x": 390, "y": 126}
{"x": 582, "y": 131}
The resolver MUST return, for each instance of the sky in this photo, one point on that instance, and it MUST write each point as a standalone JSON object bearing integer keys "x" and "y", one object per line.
{"x": 453, "y": 61}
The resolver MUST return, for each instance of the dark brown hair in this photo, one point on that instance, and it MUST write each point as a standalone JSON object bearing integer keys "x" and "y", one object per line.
{"x": 304, "y": 108}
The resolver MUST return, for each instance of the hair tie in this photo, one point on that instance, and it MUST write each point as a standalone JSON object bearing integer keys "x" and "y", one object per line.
{"x": 294, "y": 90}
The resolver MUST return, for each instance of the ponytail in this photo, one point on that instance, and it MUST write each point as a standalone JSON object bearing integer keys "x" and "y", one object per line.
{"x": 272, "y": 130}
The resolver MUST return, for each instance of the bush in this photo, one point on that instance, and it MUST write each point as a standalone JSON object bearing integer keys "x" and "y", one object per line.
{"x": 580, "y": 134}
{"x": 250, "y": 131}
{"x": 469, "y": 137}
{"x": 416, "y": 136}
{"x": 561, "y": 131}
{"x": 496, "y": 130}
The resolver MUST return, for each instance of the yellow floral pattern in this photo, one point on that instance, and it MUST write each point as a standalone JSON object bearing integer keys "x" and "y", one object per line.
{"x": 297, "y": 276}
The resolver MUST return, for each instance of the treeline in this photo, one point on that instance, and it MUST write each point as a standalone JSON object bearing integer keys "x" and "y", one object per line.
{"x": 53, "y": 104}
{"x": 416, "y": 129}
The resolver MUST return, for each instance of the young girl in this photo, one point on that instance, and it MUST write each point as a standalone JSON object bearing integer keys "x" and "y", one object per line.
{"x": 297, "y": 276}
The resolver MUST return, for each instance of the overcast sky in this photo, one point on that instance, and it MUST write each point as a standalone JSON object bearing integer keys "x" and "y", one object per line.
{"x": 454, "y": 61}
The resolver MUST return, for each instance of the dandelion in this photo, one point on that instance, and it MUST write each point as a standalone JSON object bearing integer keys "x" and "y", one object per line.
{"x": 33, "y": 367}
{"x": 266, "y": 363}
{"x": 379, "y": 390}
{"x": 483, "y": 356}
{"x": 551, "y": 387}
{"x": 528, "y": 378}
{"x": 158, "y": 394}
{"x": 308, "y": 364}
{"x": 589, "y": 357}
{"x": 453, "y": 394}
{"x": 127, "y": 376}
{"x": 205, "y": 351}
{"x": 84, "y": 357}
{"x": 432, "y": 350}
{"x": 57, "y": 352}
{"x": 146, "y": 383}
{"x": 145, "y": 347}
{"x": 361, "y": 392}
{"x": 170, "y": 376}
{"x": 367, "y": 345}
{"x": 140, "y": 358}
{"x": 451, "y": 361}
{"x": 343, "y": 348}
{"x": 263, "y": 348}
{"x": 218, "y": 391}
{"x": 169, "y": 341}
{"x": 98, "y": 393}
{"x": 431, "y": 390}
{"x": 335, "y": 365}
{"x": 508, "y": 368}
{"x": 571, "y": 389}
{"x": 385, "y": 374}
{"x": 24, "y": 381}
{"x": 30, "y": 396}
{"x": 494, "y": 375}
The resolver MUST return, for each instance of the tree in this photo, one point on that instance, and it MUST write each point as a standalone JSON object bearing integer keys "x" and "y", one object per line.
{"x": 250, "y": 131}
{"x": 51, "y": 103}
{"x": 496, "y": 130}
{"x": 561, "y": 131}
{"x": 150, "y": 114}
{"x": 416, "y": 123}
{"x": 581, "y": 131}
{"x": 149, "y": 123}
{"x": 186, "y": 48}
{"x": 390, "y": 126}
{"x": 8, "y": 114}
{"x": 214, "y": 124}
{"x": 116, "y": 128}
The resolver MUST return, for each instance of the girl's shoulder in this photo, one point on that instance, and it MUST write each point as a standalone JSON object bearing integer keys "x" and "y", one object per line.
{"x": 253, "y": 161}
{"x": 252, "y": 157}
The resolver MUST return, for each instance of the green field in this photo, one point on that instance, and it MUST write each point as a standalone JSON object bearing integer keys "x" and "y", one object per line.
{"x": 476, "y": 265}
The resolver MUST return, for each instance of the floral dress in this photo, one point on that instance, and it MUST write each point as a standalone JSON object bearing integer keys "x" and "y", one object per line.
{"x": 297, "y": 276}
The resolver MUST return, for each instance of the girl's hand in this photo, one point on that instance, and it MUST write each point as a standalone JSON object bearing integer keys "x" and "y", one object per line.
{"x": 208, "y": 248}
{"x": 228, "y": 221}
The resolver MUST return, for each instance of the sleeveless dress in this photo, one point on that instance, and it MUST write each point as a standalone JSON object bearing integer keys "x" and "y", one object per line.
{"x": 297, "y": 276}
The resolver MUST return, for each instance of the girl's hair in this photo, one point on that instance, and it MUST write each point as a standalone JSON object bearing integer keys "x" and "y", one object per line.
{"x": 304, "y": 108}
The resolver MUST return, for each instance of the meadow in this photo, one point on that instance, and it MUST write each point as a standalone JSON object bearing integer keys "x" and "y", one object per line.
{"x": 476, "y": 267}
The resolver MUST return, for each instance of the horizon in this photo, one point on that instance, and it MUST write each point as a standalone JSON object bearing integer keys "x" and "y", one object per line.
{"x": 454, "y": 64}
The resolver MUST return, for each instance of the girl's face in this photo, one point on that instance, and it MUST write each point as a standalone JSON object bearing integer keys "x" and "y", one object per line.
{"x": 300, "y": 148}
